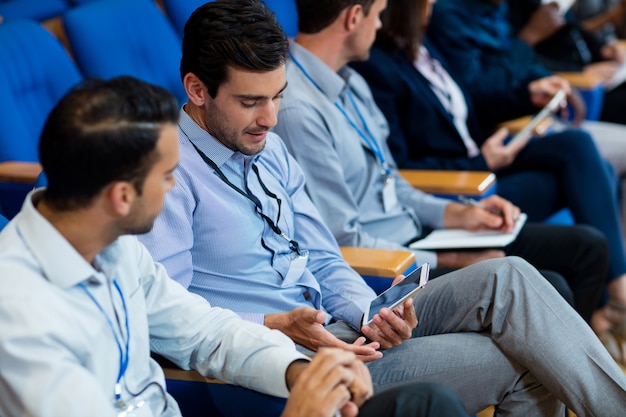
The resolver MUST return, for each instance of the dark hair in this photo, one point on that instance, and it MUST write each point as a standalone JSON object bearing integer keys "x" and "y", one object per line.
{"x": 101, "y": 132}
{"x": 242, "y": 34}
{"x": 316, "y": 15}
{"x": 403, "y": 27}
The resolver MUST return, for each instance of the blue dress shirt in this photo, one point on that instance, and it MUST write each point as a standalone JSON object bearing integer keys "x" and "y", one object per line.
{"x": 211, "y": 240}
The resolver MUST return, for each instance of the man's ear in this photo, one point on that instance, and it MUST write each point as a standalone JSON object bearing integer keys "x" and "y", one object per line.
{"x": 121, "y": 196}
{"x": 195, "y": 88}
{"x": 353, "y": 16}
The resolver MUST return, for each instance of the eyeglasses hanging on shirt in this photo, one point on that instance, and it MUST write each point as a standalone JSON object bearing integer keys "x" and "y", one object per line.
{"x": 293, "y": 244}
{"x": 389, "y": 196}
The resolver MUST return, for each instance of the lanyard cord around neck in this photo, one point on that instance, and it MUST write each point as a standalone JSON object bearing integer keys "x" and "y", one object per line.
{"x": 293, "y": 245}
{"x": 124, "y": 352}
{"x": 369, "y": 138}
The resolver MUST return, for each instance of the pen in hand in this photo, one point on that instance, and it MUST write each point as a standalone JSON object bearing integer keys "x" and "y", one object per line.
{"x": 472, "y": 202}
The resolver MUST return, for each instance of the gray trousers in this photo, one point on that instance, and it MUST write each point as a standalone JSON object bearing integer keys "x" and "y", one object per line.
{"x": 497, "y": 333}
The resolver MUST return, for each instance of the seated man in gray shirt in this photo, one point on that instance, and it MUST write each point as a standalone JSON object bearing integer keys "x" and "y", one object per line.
{"x": 239, "y": 229}
{"x": 332, "y": 126}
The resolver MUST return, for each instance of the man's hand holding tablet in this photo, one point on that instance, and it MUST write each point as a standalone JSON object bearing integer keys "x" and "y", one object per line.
{"x": 390, "y": 318}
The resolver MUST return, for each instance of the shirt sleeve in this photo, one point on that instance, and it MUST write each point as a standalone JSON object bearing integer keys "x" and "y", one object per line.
{"x": 216, "y": 342}
{"x": 344, "y": 293}
{"x": 481, "y": 66}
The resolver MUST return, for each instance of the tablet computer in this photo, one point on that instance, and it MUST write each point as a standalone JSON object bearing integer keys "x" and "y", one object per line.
{"x": 397, "y": 294}
{"x": 549, "y": 108}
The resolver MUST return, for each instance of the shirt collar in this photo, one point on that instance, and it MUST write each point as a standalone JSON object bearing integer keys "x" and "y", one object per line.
{"x": 209, "y": 145}
{"x": 333, "y": 84}
{"x": 61, "y": 264}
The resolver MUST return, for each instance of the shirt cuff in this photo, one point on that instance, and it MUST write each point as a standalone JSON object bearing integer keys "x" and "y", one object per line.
{"x": 258, "y": 318}
{"x": 274, "y": 374}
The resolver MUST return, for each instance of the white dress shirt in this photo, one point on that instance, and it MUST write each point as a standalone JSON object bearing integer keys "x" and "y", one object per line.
{"x": 58, "y": 356}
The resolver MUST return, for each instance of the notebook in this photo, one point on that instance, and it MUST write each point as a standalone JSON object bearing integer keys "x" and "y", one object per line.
{"x": 465, "y": 239}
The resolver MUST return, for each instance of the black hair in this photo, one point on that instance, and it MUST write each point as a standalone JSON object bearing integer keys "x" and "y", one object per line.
{"x": 316, "y": 15}
{"x": 403, "y": 27}
{"x": 242, "y": 34}
{"x": 102, "y": 132}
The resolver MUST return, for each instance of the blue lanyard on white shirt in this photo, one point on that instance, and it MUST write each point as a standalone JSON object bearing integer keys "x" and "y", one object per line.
{"x": 123, "y": 352}
{"x": 370, "y": 139}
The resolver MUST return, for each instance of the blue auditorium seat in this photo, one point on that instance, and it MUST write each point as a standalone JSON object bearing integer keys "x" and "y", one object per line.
{"x": 120, "y": 37}
{"x": 35, "y": 73}
{"x": 285, "y": 10}
{"x": 31, "y": 9}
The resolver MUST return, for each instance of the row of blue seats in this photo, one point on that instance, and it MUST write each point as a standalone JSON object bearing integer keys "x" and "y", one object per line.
{"x": 178, "y": 10}
{"x": 107, "y": 38}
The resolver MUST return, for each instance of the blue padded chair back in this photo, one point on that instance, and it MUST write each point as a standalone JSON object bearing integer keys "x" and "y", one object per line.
{"x": 286, "y": 13}
{"x": 3, "y": 221}
{"x": 31, "y": 9}
{"x": 180, "y": 10}
{"x": 41, "y": 181}
{"x": 120, "y": 37}
{"x": 35, "y": 73}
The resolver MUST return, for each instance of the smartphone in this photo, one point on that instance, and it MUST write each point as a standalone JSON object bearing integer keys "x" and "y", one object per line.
{"x": 397, "y": 294}
{"x": 552, "y": 106}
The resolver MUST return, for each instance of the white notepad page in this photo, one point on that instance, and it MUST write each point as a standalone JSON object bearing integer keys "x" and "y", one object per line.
{"x": 465, "y": 239}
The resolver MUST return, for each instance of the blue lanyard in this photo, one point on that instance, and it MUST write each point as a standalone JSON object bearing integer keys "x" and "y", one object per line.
{"x": 370, "y": 139}
{"x": 123, "y": 352}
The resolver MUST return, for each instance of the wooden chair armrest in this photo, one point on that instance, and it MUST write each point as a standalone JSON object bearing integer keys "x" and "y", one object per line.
{"x": 378, "y": 262}
{"x": 581, "y": 80}
{"x": 193, "y": 376}
{"x": 518, "y": 124}
{"x": 450, "y": 182}
{"x": 23, "y": 172}
{"x": 172, "y": 371}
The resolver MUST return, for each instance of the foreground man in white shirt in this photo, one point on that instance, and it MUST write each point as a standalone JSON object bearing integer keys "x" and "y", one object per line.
{"x": 82, "y": 304}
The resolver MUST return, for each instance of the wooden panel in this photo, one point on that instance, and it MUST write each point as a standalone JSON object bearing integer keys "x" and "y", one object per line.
{"x": 450, "y": 182}
{"x": 55, "y": 26}
{"x": 182, "y": 375}
{"x": 24, "y": 172}
{"x": 518, "y": 124}
{"x": 377, "y": 262}
{"x": 580, "y": 80}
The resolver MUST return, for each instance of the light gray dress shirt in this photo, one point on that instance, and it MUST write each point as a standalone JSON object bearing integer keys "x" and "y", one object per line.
{"x": 58, "y": 356}
{"x": 343, "y": 174}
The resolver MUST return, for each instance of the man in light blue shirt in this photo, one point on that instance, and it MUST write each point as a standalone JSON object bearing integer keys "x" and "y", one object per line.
{"x": 239, "y": 229}
{"x": 82, "y": 306}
